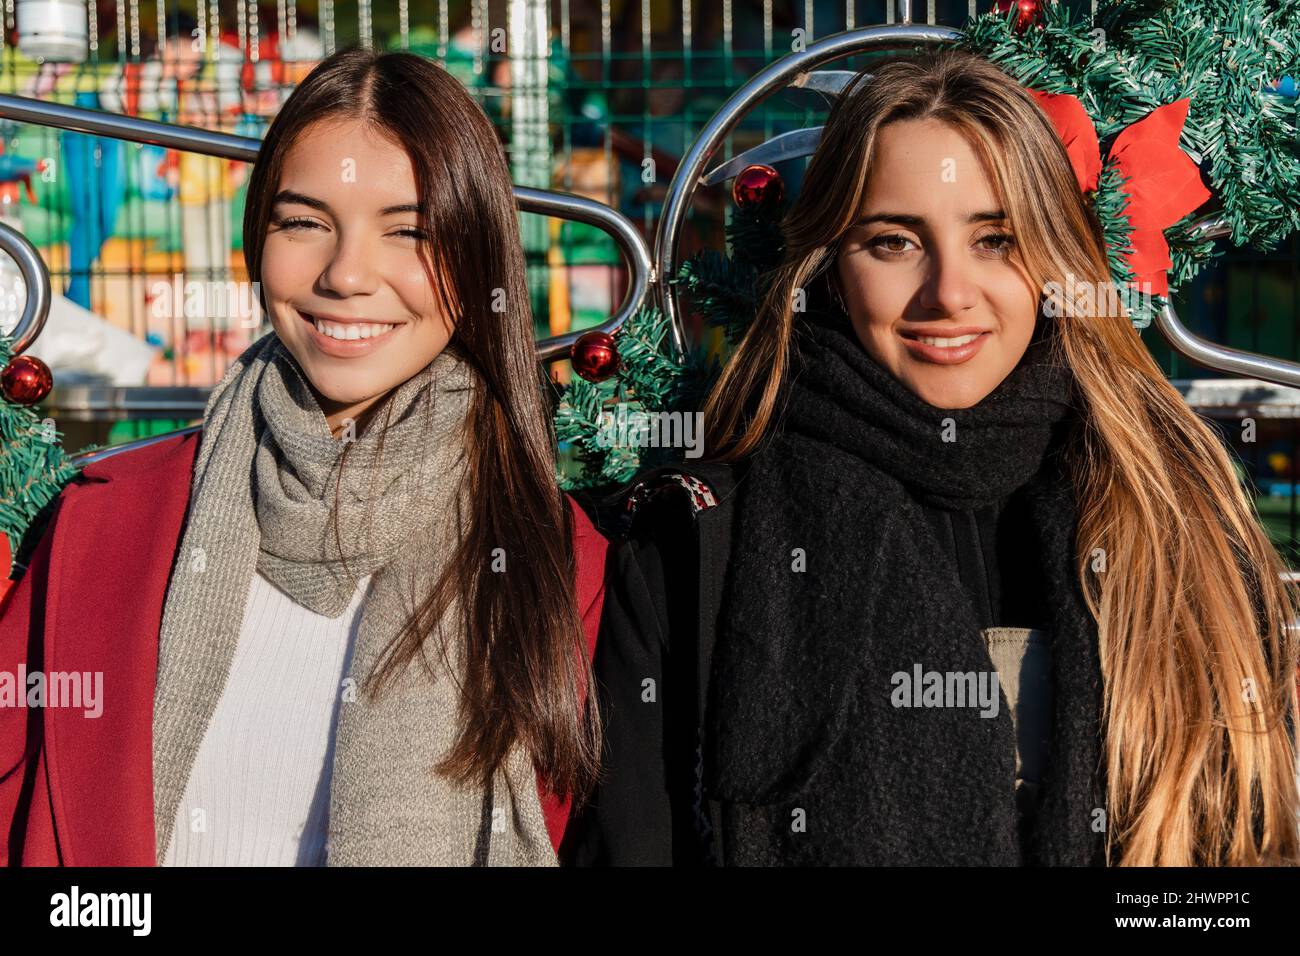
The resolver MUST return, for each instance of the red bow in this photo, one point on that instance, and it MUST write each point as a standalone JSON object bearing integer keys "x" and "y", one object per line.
{"x": 1163, "y": 185}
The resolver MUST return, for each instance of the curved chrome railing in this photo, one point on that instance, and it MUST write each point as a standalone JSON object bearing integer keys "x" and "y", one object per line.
{"x": 625, "y": 236}
{"x": 797, "y": 70}
{"x": 36, "y": 277}
{"x": 1221, "y": 357}
{"x": 245, "y": 149}
{"x": 83, "y": 458}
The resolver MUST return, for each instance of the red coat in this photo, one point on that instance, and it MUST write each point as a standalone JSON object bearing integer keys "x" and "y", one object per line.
{"x": 78, "y": 791}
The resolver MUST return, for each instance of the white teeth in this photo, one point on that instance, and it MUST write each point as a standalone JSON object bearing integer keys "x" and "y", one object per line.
{"x": 948, "y": 343}
{"x": 352, "y": 330}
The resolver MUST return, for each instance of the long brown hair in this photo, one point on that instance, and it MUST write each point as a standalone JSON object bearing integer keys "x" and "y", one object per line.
{"x": 1194, "y": 622}
{"x": 524, "y": 653}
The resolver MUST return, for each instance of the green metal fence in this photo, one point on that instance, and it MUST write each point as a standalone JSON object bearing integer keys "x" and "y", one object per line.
{"x": 596, "y": 97}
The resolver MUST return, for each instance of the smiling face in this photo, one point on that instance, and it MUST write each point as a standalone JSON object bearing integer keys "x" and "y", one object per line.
{"x": 341, "y": 273}
{"x": 929, "y": 275}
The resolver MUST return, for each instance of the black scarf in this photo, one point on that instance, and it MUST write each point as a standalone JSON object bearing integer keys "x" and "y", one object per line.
{"x": 812, "y": 761}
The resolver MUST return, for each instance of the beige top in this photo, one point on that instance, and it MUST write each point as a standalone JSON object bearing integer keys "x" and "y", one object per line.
{"x": 1022, "y": 656}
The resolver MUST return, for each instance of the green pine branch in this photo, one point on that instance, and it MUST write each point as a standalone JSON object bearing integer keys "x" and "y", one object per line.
{"x": 1140, "y": 54}
{"x": 33, "y": 470}
{"x": 649, "y": 381}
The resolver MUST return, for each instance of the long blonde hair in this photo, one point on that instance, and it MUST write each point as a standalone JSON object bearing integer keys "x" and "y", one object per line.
{"x": 1194, "y": 622}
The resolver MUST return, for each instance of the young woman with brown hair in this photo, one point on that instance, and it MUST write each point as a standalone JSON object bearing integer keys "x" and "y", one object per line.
{"x": 367, "y": 642}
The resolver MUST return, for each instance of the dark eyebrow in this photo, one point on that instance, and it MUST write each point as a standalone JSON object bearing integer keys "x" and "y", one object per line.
{"x": 289, "y": 196}
{"x": 903, "y": 219}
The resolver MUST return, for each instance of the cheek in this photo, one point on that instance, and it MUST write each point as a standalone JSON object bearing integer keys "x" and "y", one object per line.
{"x": 876, "y": 295}
{"x": 1017, "y": 303}
{"x": 429, "y": 336}
{"x": 405, "y": 276}
{"x": 288, "y": 269}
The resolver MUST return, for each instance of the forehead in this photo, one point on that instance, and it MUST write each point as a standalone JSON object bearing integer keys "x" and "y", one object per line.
{"x": 349, "y": 161}
{"x": 927, "y": 164}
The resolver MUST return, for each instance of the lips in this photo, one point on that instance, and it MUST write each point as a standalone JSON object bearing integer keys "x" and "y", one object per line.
{"x": 347, "y": 348}
{"x": 945, "y": 354}
{"x": 350, "y": 331}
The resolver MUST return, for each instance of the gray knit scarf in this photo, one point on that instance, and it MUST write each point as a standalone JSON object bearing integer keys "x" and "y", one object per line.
{"x": 263, "y": 498}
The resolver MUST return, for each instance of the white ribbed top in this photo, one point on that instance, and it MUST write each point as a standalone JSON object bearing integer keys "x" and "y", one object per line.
{"x": 261, "y": 778}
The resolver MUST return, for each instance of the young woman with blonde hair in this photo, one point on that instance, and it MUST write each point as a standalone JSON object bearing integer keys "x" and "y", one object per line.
{"x": 937, "y": 474}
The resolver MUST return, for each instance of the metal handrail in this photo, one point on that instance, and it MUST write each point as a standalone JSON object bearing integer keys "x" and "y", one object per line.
{"x": 796, "y": 70}
{"x": 245, "y": 149}
{"x": 36, "y": 277}
{"x": 1221, "y": 357}
{"x": 83, "y": 458}
{"x": 625, "y": 236}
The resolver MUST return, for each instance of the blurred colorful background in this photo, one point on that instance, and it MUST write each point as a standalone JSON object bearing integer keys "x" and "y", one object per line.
{"x": 597, "y": 97}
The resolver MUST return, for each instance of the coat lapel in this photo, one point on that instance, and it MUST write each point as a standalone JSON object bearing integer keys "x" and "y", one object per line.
{"x": 111, "y": 559}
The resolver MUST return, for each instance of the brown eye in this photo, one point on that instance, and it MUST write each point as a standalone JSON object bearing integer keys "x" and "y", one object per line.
{"x": 1003, "y": 243}
{"x": 880, "y": 242}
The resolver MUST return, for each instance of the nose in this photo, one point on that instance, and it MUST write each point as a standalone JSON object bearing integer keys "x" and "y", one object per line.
{"x": 950, "y": 287}
{"x": 349, "y": 270}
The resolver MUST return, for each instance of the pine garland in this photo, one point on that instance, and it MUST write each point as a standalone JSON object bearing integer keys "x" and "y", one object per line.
{"x": 592, "y": 417}
{"x": 1138, "y": 55}
{"x": 1135, "y": 56}
{"x": 33, "y": 470}
{"x": 726, "y": 290}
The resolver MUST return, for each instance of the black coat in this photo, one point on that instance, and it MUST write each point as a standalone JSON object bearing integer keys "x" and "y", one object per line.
{"x": 650, "y": 808}
{"x": 830, "y": 580}
{"x": 647, "y": 810}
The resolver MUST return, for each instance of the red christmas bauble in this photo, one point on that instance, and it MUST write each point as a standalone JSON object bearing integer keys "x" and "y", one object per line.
{"x": 26, "y": 380}
{"x": 757, "y": 184}
{"x": 594, "y": 356}
{"x": 1027, "y": 12}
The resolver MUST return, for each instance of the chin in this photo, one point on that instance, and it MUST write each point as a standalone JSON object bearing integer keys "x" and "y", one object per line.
{"x": 348, "y": 392}
{"x": 344, "y": 388}
{"x": 949, "y": 394}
